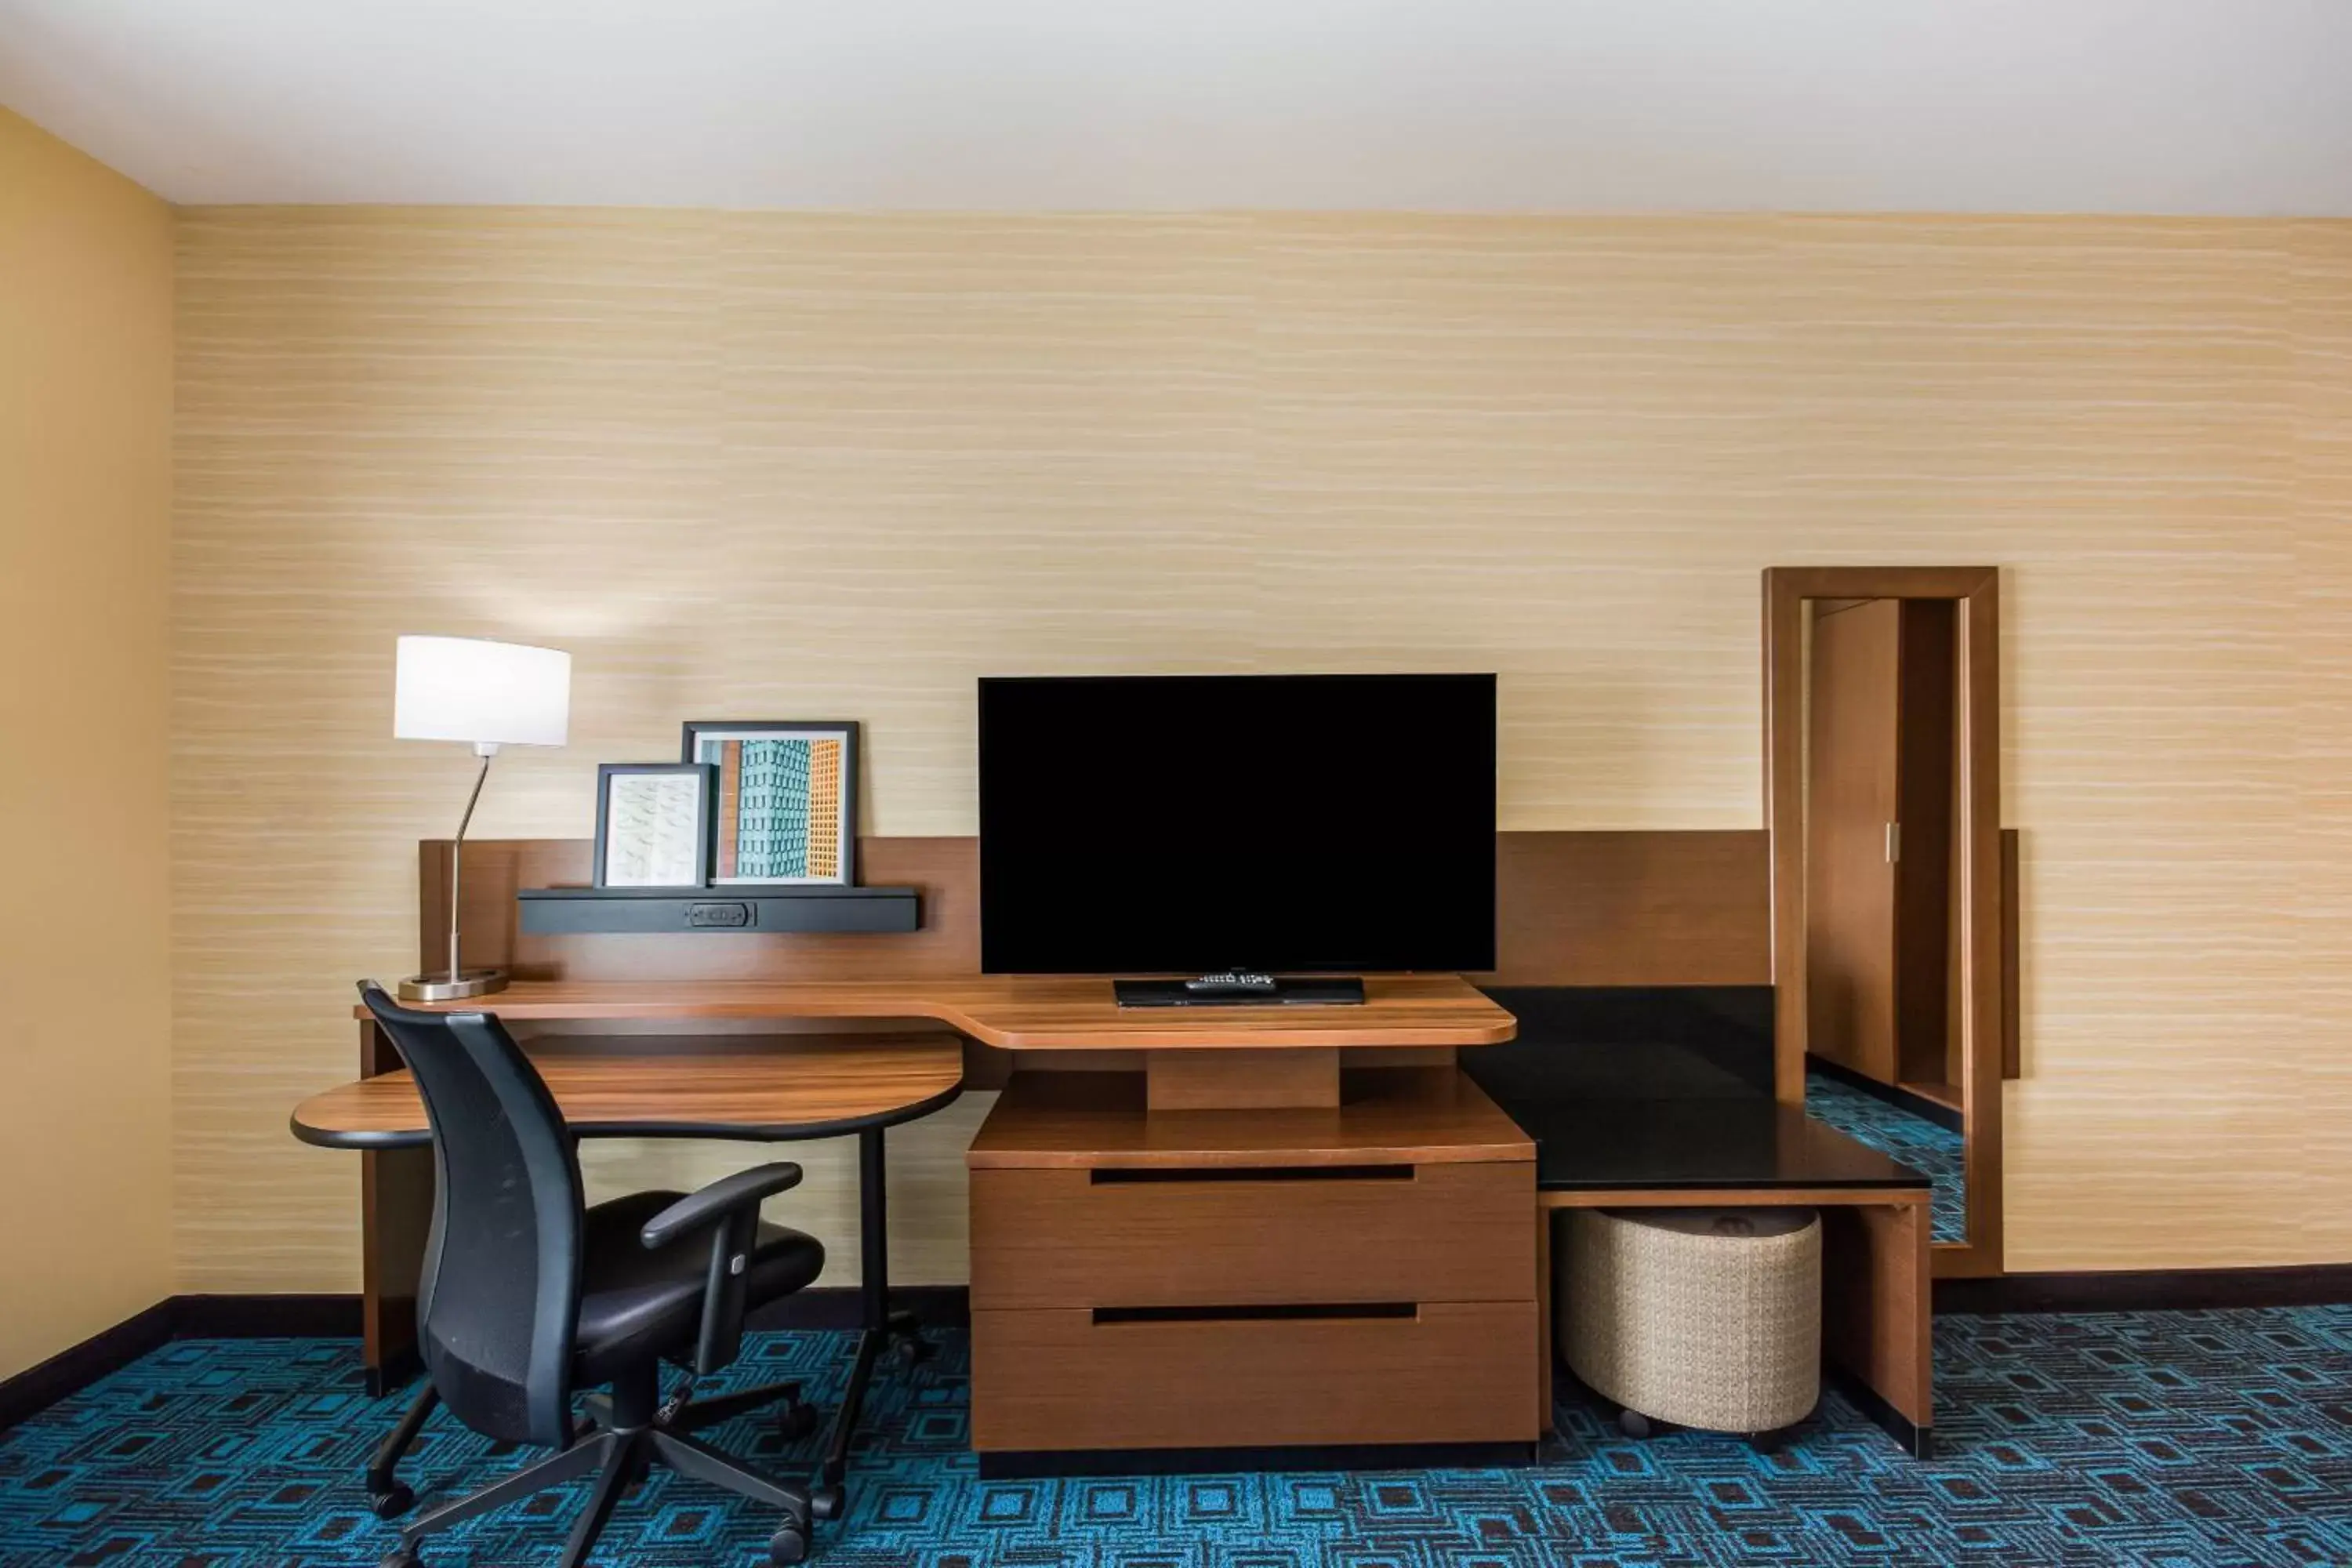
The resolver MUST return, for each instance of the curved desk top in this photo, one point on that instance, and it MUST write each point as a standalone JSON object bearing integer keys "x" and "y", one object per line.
{"x": 623, "y": 1086}
{"x": 1031, "y": 1013}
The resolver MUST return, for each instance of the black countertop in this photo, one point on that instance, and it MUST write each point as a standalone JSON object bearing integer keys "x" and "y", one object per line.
{"x": 1700, "y": 1144}
{"x": 1622, "y": 1090}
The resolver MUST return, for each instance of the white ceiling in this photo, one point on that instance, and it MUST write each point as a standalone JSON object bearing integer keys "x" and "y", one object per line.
{"x": 2140, "y": 106}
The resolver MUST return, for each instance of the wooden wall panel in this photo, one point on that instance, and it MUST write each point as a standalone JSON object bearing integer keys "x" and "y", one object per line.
{"x": 1632, "y": 909}
{"x": 1571, "y": 909}
{"x": 803, "y": 463}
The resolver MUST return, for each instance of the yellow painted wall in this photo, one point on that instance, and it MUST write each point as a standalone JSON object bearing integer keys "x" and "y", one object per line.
{"x": 796, "y": 466}
{"x": 85, "y": 556}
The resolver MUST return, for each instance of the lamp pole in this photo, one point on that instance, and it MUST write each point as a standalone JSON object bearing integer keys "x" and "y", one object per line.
{"x": 485, "y": 750}
{"x": 459, "y": 982}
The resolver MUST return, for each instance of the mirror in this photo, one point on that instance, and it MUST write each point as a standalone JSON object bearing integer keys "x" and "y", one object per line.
{"x": 1880, "y": 793}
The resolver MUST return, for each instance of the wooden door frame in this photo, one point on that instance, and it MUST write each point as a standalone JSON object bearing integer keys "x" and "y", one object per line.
{"x": 1978, "y": 590}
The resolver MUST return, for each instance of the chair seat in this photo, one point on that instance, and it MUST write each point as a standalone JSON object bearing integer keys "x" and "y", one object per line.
{"x": 636, "y": 1302}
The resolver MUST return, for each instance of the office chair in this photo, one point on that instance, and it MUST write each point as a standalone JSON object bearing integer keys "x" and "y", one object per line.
{"x": 528, "y": 1294}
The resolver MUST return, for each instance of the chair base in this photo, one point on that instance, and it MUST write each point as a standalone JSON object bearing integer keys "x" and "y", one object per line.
{"x": 629, "y": 1433}
{"x": 389, "y": 1497}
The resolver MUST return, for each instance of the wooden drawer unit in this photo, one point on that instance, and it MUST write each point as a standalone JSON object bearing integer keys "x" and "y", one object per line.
{"x": 1362, "y": 1274}
{"x": 1252, "y": 1236}
{"x": 1049, "y": 1380}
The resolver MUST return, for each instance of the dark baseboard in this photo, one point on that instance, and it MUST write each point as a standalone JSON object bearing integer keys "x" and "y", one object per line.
{"x": 69, "y": 1371}
{"x": 1947, "y": 1117}
{"x": 75, "y": 1368}
{"x": 258, "y": 1317}
{"x": 265, "y": 1317}
{"x": 2151, "y": 1290}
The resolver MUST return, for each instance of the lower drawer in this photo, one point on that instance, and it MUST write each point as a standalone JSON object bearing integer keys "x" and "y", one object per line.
{"x": 1071, "y": 1378}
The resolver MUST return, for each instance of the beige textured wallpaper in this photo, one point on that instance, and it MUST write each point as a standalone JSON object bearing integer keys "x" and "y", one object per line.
{"x": 805, "y": 465}
{"x": 85, "y": 924}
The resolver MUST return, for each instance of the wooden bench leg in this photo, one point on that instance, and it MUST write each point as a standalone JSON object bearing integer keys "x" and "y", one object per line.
{"x": 1876, "y": 1327}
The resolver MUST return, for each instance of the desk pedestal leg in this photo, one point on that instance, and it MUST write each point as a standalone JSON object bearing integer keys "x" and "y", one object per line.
{"x": 881, "y": 1326}
{"x": 874, "y": 1230}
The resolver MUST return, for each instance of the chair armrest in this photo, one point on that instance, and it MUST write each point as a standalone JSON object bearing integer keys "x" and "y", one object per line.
{"x": 744, "y": 1189}
{"x": 728, "y": 1209}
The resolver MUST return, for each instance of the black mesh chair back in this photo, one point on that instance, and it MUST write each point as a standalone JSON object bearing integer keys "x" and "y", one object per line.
{"x": 497, "y": 1301}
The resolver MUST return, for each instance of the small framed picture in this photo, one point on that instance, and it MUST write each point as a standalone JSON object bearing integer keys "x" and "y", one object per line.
{"x": 787, "y": 798}
{"x": 653, "y": 824}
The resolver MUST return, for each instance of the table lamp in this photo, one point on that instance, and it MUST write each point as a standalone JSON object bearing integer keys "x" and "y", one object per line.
{"x": 491, "y": 694}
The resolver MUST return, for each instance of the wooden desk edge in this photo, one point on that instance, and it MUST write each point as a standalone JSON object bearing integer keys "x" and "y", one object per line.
{"x": 1727, "y": 1197}
{"x": 1223, "y": 1029}
{"x": 342, "y": 1117}
{"x": 1489, "y": 1153}
{"x": 366, "y": 1139}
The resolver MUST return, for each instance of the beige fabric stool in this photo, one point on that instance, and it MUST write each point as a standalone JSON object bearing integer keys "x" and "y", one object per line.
{"x": 1707, "y": 1317}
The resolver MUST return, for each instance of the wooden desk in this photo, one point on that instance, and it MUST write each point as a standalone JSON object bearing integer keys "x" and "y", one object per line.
{"x": 725, "y": 1087}
{"x": 1252, "y": 1057}
{"x": 790, "y": 1087}
{"x": 758, "y": 1089}
{"x": 1274, "y": 1069}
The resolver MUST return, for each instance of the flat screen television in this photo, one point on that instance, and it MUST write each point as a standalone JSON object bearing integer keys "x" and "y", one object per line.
{"x": 1183, "y": 825}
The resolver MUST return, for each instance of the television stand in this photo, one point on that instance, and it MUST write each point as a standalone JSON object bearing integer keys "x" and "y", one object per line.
{"x": 1241, "y": 989}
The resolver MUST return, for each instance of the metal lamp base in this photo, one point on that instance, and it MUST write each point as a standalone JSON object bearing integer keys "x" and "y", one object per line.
{"x": 441, "y": 988}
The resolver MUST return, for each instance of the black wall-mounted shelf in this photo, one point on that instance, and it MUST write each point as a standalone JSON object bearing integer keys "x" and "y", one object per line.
{"x": 761, "y": 910}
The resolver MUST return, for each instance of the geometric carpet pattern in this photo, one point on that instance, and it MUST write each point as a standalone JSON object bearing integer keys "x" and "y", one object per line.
{"x": 1929, "y": 1148}
{"x": 2161, "y": 1439}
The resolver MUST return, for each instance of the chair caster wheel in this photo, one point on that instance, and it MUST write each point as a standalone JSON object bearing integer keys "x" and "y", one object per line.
{"x": 788, "y": 1545}
{"x": 393, "y": 1501}
{"x": 403, "y": 1557}
{"x": 1634, "y": 1424}
{"x": 824, "y": 1502}
{"x": 912, "y": 1351}
{"x": 796, "y": 1420}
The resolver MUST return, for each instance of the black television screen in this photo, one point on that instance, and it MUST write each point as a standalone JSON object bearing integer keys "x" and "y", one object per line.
{"x": 1301, "y": 824}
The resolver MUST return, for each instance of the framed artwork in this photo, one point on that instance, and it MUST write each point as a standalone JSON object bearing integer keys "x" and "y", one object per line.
{"x": 653, "y": 824}
{"x": 786, "y": 801}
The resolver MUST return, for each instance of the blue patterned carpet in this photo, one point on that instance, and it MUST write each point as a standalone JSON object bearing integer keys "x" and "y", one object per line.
{"x": 1929, "y": 1148}
{"x": 2169, "y": 1440}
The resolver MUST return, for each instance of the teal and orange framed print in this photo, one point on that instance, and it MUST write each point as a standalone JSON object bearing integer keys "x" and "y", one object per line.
{"x": 786, "y": 804}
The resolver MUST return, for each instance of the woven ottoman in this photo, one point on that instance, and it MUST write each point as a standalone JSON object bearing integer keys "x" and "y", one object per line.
{"x": 1708, "y": 1317}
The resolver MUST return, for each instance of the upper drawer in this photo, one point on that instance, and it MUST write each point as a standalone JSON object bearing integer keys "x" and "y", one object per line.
{"x": 1212, "y": 1238}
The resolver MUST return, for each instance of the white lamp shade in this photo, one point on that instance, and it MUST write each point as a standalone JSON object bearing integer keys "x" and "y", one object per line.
{"x": 491, "y": 693}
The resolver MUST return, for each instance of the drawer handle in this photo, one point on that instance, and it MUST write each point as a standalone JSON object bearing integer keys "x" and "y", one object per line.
{"x": 1284, "y": 1312}
{"x": 1117, "y": 1176}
